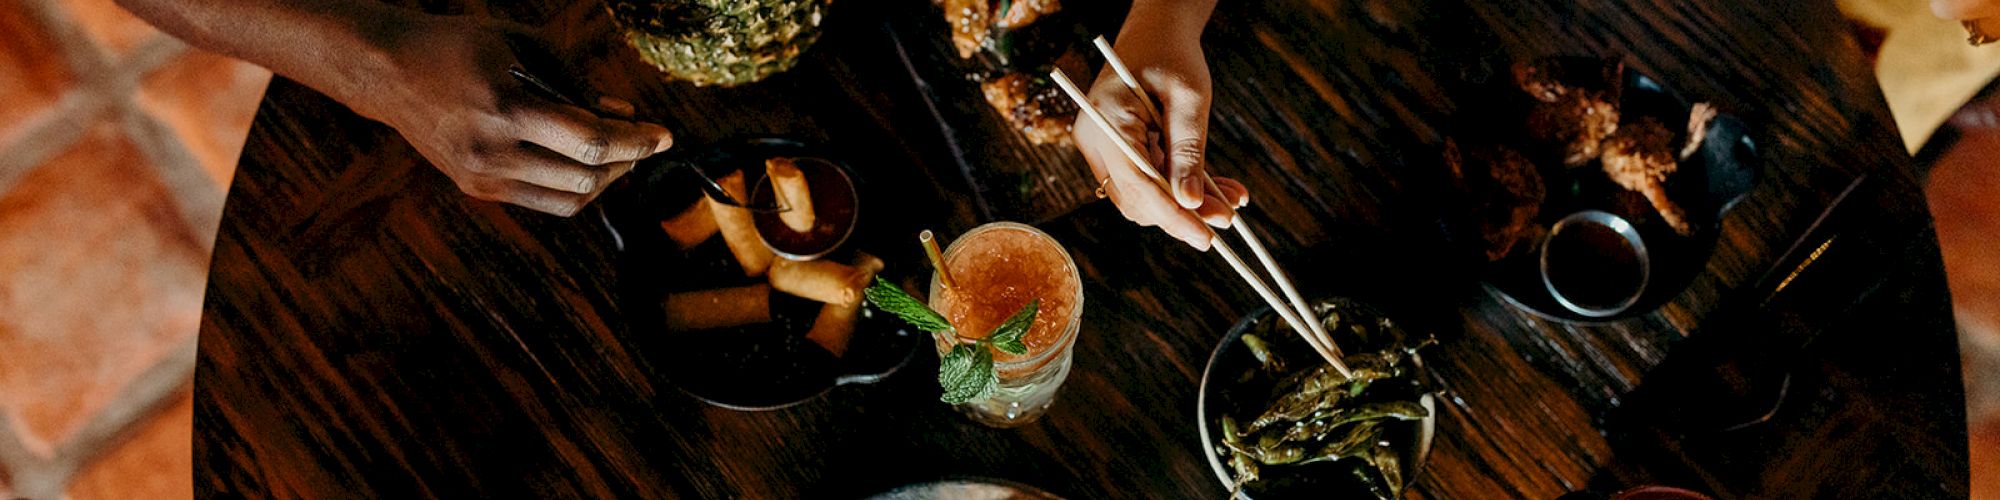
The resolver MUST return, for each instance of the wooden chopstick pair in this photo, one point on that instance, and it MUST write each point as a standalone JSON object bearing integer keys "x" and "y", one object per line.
{"x": 1297, "y": 314}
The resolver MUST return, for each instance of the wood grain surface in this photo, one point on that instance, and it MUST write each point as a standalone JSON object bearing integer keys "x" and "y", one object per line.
{"x": 369, "y": 331}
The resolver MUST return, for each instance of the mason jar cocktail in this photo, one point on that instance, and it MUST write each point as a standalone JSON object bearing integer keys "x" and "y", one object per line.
{"x": 997, "y": 269}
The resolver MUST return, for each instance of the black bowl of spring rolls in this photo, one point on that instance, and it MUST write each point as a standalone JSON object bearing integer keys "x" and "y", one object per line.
{"x": 726, "y": 317}
{"x": 1277, "y": 421}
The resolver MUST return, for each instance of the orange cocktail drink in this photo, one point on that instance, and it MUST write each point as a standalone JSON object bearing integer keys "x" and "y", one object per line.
{"x": 998, "y": 268}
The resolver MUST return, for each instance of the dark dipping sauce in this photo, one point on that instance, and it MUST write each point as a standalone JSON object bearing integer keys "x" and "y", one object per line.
{"x": 1593, "y": 266}
{"x": 833, "y": 200}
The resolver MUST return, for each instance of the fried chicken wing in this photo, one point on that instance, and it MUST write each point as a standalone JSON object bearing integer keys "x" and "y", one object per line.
{"x": 1698, "y": 118}
{"x": 1639, "y": 158}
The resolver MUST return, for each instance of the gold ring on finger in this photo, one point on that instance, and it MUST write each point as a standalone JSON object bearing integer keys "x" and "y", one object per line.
{"x": 1974, "y": 35}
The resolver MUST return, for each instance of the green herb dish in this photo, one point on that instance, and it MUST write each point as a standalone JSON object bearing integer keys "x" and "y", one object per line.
{"x": 720, "y": 42}
{"x": 1277, "y": 421}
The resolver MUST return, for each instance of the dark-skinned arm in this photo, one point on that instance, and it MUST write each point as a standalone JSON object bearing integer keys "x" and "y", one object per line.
{"x": 440, "y": 81}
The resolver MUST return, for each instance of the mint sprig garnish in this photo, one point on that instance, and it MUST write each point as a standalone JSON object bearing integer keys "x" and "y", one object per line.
{"x": 1007, "y": 336}
{"x": 966, "y": 371}
{"x": 889, "y": 298}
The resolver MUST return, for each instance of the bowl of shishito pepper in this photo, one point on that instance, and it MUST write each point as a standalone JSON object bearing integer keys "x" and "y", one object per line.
{"x": 1280, "y": 422}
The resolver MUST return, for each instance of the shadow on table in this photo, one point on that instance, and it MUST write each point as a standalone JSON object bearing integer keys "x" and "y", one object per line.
{"x": 1783, "y": 390}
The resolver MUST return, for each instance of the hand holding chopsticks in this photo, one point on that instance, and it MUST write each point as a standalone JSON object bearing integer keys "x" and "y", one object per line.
{"x": 1176, "y": 71}
{"x": 1297, "y": 314}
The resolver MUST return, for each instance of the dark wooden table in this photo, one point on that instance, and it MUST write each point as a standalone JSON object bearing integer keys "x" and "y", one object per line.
{"x": 369, "y": 331}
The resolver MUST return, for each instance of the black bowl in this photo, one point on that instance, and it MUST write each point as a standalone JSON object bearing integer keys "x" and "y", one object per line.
{"x": 1223, "y": 390}
{"x": 836, "y": 201}
{"x": 956, "y": 488}
{"x": 753, "y": 367}
{"x": 1708, "y": 184}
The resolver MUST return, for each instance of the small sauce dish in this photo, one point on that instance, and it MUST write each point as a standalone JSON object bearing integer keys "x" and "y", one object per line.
{"x": 1595, "y": 263}
{"x": 835, "y": 200}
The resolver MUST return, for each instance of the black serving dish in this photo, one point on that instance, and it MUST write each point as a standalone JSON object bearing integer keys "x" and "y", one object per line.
{"x": 1708, "y": 184}
{"x": 753, "y": 367}
{"x": 966, "y": 488}
{"x": 1225, "y": 390}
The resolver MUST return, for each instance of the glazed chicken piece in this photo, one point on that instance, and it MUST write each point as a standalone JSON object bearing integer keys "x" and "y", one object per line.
{"x": 1639, "y": 158}
{"x": 998, "y": 35}
{"x": 1036, "y": 108}
{"x": 972, "y": 21}
{"x": 1033, "y": 104}
{"x": 1025, "y": 107}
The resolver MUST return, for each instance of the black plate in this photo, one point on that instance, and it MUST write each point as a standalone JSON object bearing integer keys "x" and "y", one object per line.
{"x": 966, "y": 488}
{"x": 755, "y": 367}
{"x": 1707, "y": 185}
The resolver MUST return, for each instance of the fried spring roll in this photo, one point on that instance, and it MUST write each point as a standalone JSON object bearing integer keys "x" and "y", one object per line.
{"x": 822, "y": 280}
{"x": 834, "y": 327}
{"x": 692, "y": 226}
{"x": 718, "y": 308}
{"x": 738, "y": 230}
{"x": 835, "y": 324}
{"x": 868, "y": 264}
{"x": 790, "y": 185}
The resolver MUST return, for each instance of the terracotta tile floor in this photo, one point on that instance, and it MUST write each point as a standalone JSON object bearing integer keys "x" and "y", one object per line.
{"x": 117, "y": 144}
{"x": 1962, "y": 188}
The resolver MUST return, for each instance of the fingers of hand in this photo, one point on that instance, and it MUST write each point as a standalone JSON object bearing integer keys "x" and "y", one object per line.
{"x": 545, "y": 200}
{"x": 1964, "y": 9}
{"x": 1185, "y": 156}
{"x": 1183, "y": 225}
{"x": 1144, "y": 203}
{"x": 1139, "y": 197}
{"x": 1215, "y": 212}
{"x": 1154, "y": 153}
{"x": 619, "y": 170}
{"x": 1237, "y": 194}
{"x": 587, "y": 138}
{"x": 617, "y": 107}
{"x": 537, "y": 179}
{"x": 533, "y": 197}
{"x": 1180, "y": 224}
{"x": 1119, "y": 107}
{"x": 541, "y": 167}
{"x": 1187, "y": 138}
